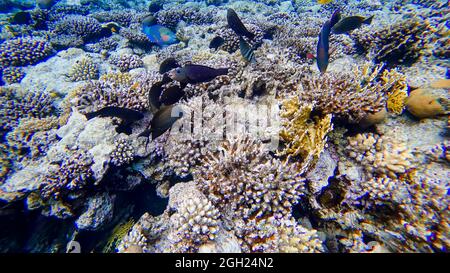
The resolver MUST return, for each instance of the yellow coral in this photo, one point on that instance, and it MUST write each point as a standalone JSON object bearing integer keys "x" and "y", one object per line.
{"x": 118, "y": 78}
{"x": 397, "y": 93}
{"x": 304, "y": 136}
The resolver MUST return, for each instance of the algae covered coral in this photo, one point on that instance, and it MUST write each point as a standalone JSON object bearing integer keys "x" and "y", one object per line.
{"x": 143, "y": 126}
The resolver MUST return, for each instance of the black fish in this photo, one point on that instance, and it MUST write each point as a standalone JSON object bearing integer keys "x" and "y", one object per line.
{"x": 216, "y": 42}
{"x": 237, "y": 26}
{"x": 119, "y": 112}
{"x": 323, "y": 45}
{"x": 155, "y": 93}
{"x": 194, "y": 73}
{"x": 163, "y": 120}
{"x": 21, "y": 18}
{"x": 350, "y": 23}
{"x": 167, "y": 65}
{"x": 171, "y": 95}
{"x": 246, "y": 50}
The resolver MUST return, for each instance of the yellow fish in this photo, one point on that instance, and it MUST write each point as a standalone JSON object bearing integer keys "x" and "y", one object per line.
{"x": 324, "y": 1}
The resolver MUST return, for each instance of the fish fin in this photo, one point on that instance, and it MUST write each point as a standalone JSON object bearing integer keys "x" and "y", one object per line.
{"x": 368, "y": 20}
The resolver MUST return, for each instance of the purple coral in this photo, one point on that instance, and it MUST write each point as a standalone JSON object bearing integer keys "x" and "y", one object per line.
{"x": 23, "y": 51}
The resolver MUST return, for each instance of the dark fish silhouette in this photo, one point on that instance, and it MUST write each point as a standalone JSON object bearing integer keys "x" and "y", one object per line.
{"x": 171, "y": 95}
{"x": 246, "y": 50}
{"x": 194, "y": 73}
{"x": 119, "y": 112}
{"x": 46, "y": 4}
{"x": 162, "y": 121}
{"x": 155, "y": 93}
{"x": 21, "y": 18}
{"x": 323, "y": 45}
{"x": 216, "y": 42}
{"x": 149, "y": 21}
{"x": 235, "y": 23}
{"x": 350, "y": 23}
{"x": 167, "y": 65}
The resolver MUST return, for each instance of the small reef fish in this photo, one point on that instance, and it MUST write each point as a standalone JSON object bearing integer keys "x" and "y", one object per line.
{"x": 167, "y": 65}
{"x": 119, "y": 112}
{"x": 216, "y": 42}
{"x": 21, "y": 18}
{"x": 46, "y": 4}
{"x": 246, "y": 50}
{"x": 171, "y": 95}
{"x": 112, "y": 26}
{"x": 159, "y": 35}
{"x": 162, "y": 121}
{"x": 155, "y": 93}
{"x": 323, "y": 45}
{"x": 194, "y": 73}
{"x": 235, "y": 23}
{"x": 350, "y": 23}
{"x": 324, "y": 1}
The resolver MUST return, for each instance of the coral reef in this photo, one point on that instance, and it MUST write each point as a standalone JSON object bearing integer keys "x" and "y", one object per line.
{"x": 126, "y": 62}
{"x": 13, "y": 75}
{"x": 84, "y": 69}
{"x": 23, "y": 51}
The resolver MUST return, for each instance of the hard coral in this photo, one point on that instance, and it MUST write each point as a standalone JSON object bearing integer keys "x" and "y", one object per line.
{"x": 13, "y": 75}
{"x": 123, "y": 152}
{"x": 126, "y": 62}
{"x": 80, "y": 26}
{"x": 23, "y": 51}
{"x": 84, "y": 69}
{"x": 401, "y": 43}
{"x": 304, "y": 136}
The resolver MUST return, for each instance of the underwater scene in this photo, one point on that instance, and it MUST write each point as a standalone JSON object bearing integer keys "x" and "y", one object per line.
{"x": 223, "y": 126}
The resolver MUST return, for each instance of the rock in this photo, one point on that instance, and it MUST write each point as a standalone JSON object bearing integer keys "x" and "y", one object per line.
{"x": 99, "y": 212}
{"x": 324, "y": 169}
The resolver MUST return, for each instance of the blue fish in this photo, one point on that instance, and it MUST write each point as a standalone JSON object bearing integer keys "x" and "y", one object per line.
{"x": 323, "y": 45}
{"x": 160, "y": 35}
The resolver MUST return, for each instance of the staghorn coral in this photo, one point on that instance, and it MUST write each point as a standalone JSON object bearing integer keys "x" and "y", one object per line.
{"x": 400, "y": 43}
{"x": 298, "y": 239}
{"x": 126, "y": 62}
{"x": 84, "y": 69}
{"x": 13, "y": 75}
{"x": 349, "y": 96}
{"x": 123, "y": 152}
{"x": 304, "y": 136}
{"x": 23, "y": 51}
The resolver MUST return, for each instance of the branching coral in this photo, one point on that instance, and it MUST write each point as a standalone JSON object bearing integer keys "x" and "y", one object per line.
{"x": 84, "y": 69}
{"x": 13, "y": 75}
{"x": 123, "y": 152}
{"x": 81, "y": 26}
{"x": 17, "y": 105}
{"x": 381, "y": 156}
{"x": 401, "y": 43}
{"x": 196, "y": 221}
{"x": 126, "y": 62}
{"x": 23, "y": 51}
{"x": 73, "y": 174}
{"x": 116, "y": 89}
{"x": 243, "y": 178}
{"x": 304, "y": 136}
{"x": 397, "y": 94}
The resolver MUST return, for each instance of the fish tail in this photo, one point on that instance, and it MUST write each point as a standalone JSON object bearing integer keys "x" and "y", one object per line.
{"x": 91, "y": 115}
{"x": 368, "y": 21}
